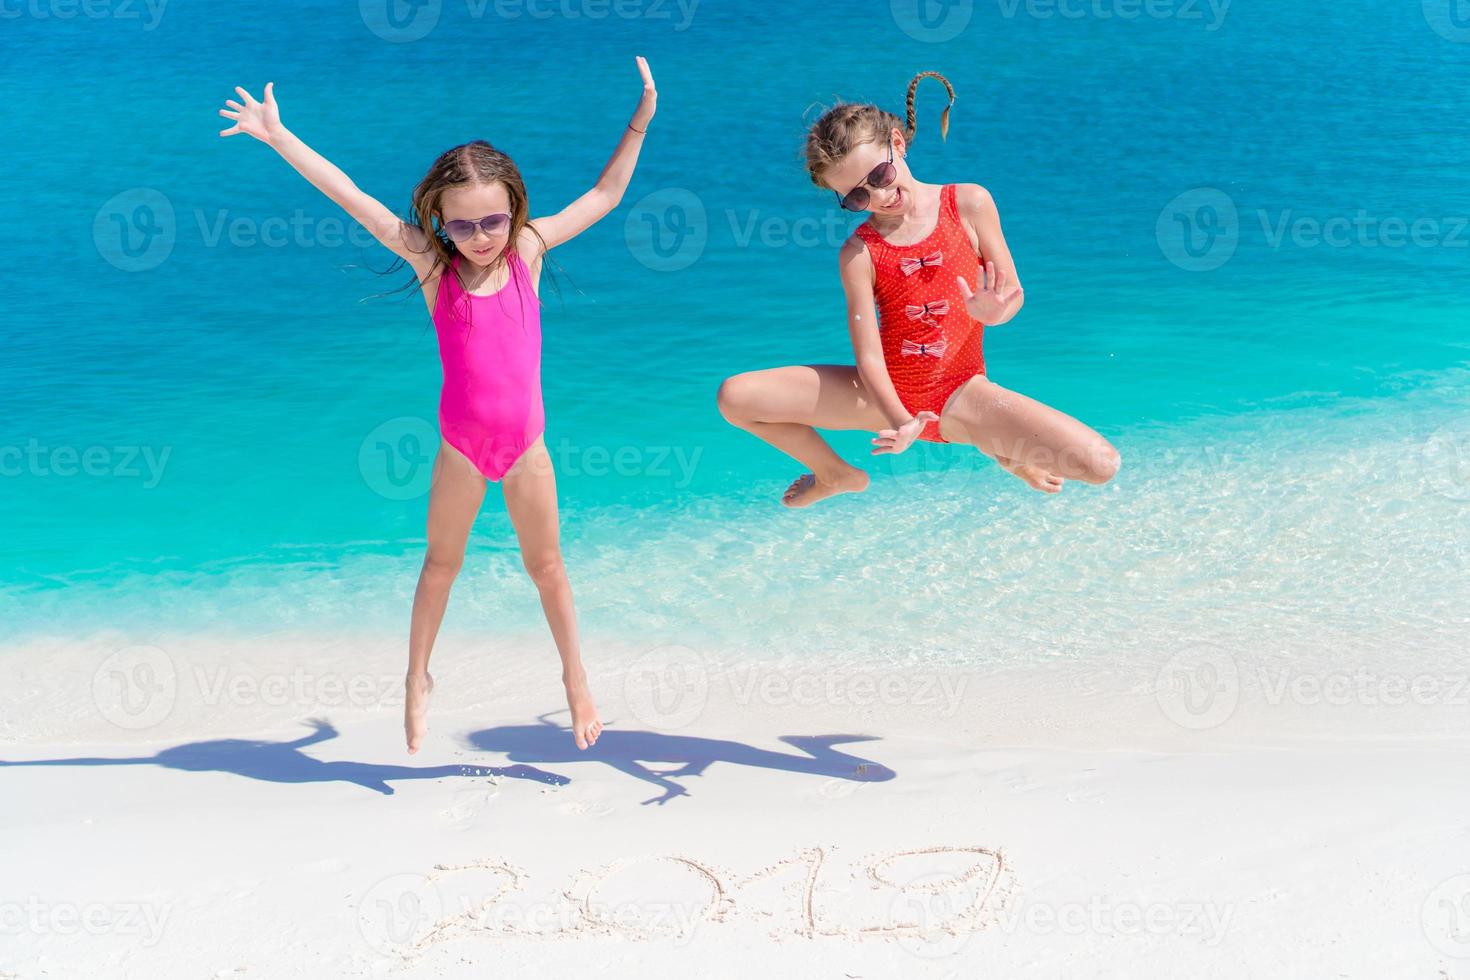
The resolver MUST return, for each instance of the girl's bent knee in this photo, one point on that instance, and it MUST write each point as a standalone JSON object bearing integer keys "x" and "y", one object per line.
{"x": 1104, "y": 464}
{"x": 732, "y": 398}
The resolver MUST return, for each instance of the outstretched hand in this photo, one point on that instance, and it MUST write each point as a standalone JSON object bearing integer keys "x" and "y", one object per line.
{"x": 259, "y": 119}
{"x": 994, "y": 298}
{"x": 649, "y": 103}
{"x": 897, "y": 440}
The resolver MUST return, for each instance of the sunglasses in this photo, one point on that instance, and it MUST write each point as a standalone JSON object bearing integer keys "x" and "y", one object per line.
{"x": 880, "y": 177}
{"x": 461, "y": 230}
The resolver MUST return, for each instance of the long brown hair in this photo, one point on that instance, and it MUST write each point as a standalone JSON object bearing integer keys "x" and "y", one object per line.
{"x": 848, "y": 125}
{"x": 472, "y": 163}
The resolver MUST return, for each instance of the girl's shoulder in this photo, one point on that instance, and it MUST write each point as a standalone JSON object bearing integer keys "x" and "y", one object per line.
{"x": 973, "y": 201}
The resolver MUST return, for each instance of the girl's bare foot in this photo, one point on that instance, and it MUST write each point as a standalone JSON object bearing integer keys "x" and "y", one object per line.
{"x": 585, "y": 724}
{"x": 1035, "y": 477}
{"x": 416, "y": 691}
{"x": 808, "y": 489}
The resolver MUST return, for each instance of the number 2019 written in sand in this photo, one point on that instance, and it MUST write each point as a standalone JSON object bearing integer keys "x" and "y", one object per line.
{"x": 926, "y": 894}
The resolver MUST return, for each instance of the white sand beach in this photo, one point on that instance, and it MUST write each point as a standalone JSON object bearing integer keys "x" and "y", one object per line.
{"x": 1206, "y": 818}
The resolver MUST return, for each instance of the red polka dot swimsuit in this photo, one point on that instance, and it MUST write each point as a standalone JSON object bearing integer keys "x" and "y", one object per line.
{"x": 931, "y": 344}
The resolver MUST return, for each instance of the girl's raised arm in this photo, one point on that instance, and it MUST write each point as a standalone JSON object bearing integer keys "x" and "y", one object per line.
{"x": 998, "y": 296}
{"x": 263, "y": 121}
{"x": 592, "y": 206}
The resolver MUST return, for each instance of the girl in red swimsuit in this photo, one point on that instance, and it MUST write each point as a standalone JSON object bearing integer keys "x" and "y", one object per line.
{"x": 924, "y": 276}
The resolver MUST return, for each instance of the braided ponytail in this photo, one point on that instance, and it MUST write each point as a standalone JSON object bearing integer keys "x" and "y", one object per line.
{"x": 850, "y": 124}
{"x": 911, "y": 126}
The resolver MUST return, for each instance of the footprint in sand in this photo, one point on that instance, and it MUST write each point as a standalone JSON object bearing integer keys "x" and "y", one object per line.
{"x": 467, "y": 805}
{"x": 837, "y": 789}
{"x": 1023, "y": 784}
{"x": 593, "y": 808}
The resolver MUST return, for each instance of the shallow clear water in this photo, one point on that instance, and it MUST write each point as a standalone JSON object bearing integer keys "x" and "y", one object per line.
{"x": 1287, "y": 386}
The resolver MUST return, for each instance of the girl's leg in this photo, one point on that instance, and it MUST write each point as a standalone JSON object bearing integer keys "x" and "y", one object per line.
{"x": 784, "y": 406}
{"x": 1025, "y": 433}
{"x": 454, "y": 500}
{"x": 530, "y": 499}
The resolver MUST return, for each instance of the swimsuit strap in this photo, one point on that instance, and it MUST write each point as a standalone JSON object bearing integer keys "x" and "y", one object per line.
{"x": 451, "y": 291}
{"x": 949, "y": 216}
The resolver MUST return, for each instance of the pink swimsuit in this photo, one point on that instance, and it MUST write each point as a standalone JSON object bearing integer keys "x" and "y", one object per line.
{"x": 490, "y": 407}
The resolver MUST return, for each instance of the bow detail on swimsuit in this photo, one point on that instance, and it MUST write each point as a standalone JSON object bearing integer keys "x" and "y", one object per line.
{"x": 928, "y": 311}
{"x": 912, "y": 265}
{"x": 935, "y": 349}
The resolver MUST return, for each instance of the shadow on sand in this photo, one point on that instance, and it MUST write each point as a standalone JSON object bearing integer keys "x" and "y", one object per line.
{"x": 528, "y": 746}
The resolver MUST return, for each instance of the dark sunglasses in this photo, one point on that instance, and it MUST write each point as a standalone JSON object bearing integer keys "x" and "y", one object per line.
{"x": 461, "y": 230}
{"x": 881, "y": 176}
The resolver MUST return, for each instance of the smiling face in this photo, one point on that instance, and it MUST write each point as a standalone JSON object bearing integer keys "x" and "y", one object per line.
{"x": 853, "y": 171}
{"x": 471, "y": 202}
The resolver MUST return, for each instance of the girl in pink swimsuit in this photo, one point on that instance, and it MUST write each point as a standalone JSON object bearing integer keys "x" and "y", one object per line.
{"x": 476, "y": 255}
{"x": 924, "y": 276}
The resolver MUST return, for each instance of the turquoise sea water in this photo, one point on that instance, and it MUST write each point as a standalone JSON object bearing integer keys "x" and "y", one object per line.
{"x": 1243, "y": 233}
